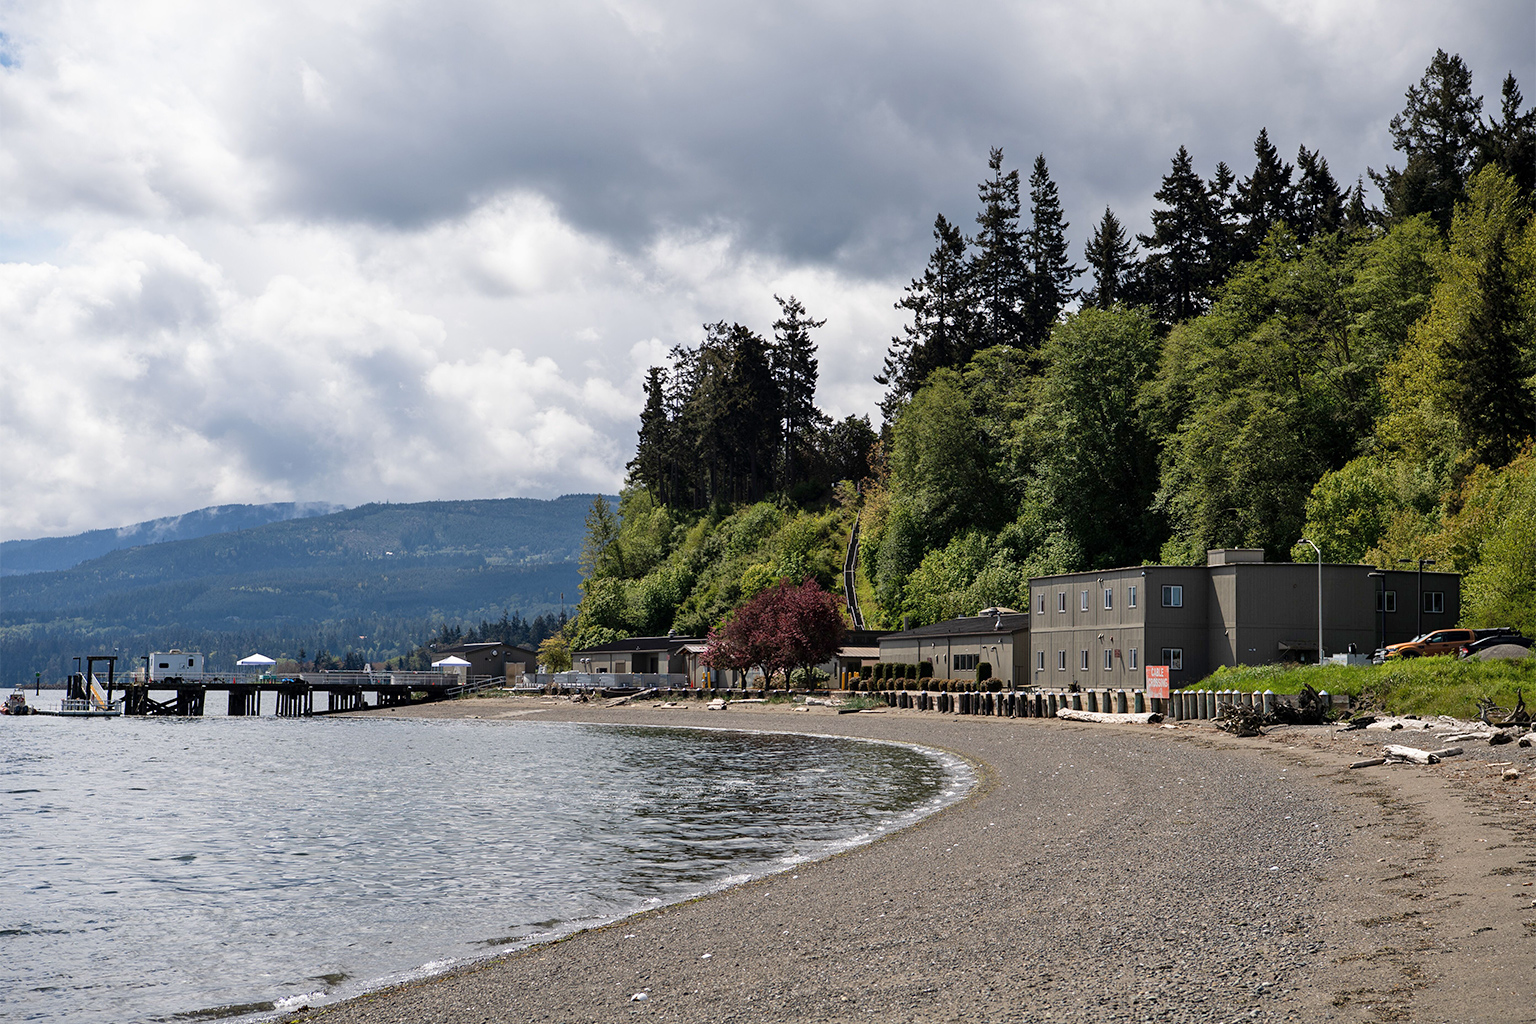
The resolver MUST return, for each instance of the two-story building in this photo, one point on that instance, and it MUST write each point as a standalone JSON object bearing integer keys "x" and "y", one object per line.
{"x": 1101, "y": 629}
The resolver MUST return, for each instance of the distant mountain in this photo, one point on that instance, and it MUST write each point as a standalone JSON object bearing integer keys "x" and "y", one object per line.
{"x": 47, "y": 554}
{"x": 382, "y": 572}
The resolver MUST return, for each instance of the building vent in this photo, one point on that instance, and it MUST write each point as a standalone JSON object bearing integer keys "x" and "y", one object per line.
{"x": 1232, "y": 556}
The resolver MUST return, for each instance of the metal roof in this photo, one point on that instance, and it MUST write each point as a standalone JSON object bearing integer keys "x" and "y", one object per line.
{"x": 969, "y": 625}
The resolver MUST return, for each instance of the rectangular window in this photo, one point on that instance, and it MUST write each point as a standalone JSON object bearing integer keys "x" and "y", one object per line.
{"x": 966, "y": 662}
{"x": 1109, "y": 599}
{"x": 1083, "y": 602}
{"x": 1173, "y": 657}
{"x": 1386, "y": 600}
{"x": 1061, "y": 600}
{"x": 1061, "y": 661}
{"x": 1042, "y": 604}
{"x": 1434, "y": 602}
{"x": 1173, "y": 597}
{"x": 1134, "y": 664}
{"x": 1130, "y": 596}
{"x": 1040, "y": 660}
{"x": 1109, "y": 660}
{"x": 1083, "y": 661}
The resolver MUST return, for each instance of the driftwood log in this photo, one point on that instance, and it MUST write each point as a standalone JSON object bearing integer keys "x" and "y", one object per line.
{"x": 1146, "y": 718}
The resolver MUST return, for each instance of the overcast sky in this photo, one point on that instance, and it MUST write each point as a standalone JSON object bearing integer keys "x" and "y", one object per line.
{"x": 398, "y": 251}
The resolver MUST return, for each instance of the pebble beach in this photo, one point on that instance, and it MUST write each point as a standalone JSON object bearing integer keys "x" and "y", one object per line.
{"x": 1096, "y": 873}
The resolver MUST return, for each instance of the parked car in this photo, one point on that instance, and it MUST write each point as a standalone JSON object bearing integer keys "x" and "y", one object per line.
{"x": 1494, "y": 639}
{"x": 1440, "y": 641}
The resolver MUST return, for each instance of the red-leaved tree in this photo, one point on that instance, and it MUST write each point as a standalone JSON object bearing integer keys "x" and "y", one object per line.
{"x": 783, "y": 628}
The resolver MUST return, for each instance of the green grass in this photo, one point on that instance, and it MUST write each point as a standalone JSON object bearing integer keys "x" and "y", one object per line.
{"x": 1418, "y": 686}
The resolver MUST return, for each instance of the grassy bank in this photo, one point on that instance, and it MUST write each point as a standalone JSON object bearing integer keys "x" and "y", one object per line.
{"x": 1419, "y": 686}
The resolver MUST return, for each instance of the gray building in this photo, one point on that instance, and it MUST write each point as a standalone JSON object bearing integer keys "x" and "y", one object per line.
{"x": 1101, "y": 629}
{"x": 998, "y": 636}
{"x": 641, "y": 654}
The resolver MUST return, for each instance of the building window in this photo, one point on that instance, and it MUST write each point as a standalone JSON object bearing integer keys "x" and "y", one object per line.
{"x": 1109, "y": 660}
{"x": 1042, "y": 604}
{"x": 1083, "y": 601}
{"x": 1173, "y": 657}
{"x": 1133, "y": 658}
{"x": 1061, "y": 661}
{"x": 1061, "y": 600}
{"x": 1109, "y": 598}
{"x": 1173, "y": 597}
{"x": 965, "y": 662}
{"x": 1130, "y": 596}
{"x": 1434, "y": 602}
{"x": 1083, "y": 661}
{"x": 1386, "y": 600}
{"x": 1040, "y": 660}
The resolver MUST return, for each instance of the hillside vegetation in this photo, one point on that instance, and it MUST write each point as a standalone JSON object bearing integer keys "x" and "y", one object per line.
{"x": 1277, "y": 358}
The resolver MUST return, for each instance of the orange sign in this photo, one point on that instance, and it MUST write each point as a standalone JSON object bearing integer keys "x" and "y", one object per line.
{"x": 1157, "y": 681}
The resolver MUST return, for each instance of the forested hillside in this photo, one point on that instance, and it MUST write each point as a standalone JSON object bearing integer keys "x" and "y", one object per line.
{"x": 376, "y": 580}
{"x": 1279, "y": 357}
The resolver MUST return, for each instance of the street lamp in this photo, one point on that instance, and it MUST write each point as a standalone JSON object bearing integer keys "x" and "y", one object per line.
{"x": 1315, "y": 548}
{"x": 1419, "y": 622}
{"x": 1381, "y": 606}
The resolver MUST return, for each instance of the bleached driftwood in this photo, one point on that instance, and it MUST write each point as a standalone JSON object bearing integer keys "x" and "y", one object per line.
{"x": 1108, "y": 718}
{"x": 1413, "y": 755}
{"x": 1369, "y": 762}
{"x": 1393, "y": 724}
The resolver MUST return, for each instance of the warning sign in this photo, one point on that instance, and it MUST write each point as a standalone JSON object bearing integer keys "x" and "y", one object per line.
{"x": 1157, "y": 681}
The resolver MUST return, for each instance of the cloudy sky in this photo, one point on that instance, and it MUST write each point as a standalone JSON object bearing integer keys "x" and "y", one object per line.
{"x": 360, "y": 251}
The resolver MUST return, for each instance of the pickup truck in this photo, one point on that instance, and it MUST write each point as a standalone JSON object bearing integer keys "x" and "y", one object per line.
{"x": 1443, "y": 641}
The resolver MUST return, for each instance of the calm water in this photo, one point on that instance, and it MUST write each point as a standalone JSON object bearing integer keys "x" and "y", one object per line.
{"x": 209, "y": 868}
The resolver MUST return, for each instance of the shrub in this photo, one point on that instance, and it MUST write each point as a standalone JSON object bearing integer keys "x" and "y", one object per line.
{"x": 983, "y": 671}
{"x": 924, "y": 669}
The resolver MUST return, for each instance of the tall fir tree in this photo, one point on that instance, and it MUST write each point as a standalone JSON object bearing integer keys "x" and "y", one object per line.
{"x": 1112, "y": 256}
{"x": 1263, "y": 199}
{"x": 940, "y": 333}
{"x": 650, "y": 466}
{"x": 795, "y": 371}
{"x": 1223, "y": 243}
{"x": 1051, "y": 271}
{"x": 1509, "y": 143}
{"x": 1319, "y": 202}
{"x": 1178, "y": 268}
{"x": 1437, "y": 133}
{"x": 999, "y": 272}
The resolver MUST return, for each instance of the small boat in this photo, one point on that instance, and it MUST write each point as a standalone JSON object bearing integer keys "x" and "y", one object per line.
{"x": 16, "y": 704}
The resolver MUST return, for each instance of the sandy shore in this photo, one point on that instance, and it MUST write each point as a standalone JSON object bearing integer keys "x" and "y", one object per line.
{"x": 1098, "y": 873}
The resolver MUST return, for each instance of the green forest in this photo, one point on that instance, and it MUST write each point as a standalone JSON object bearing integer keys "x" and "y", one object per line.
{"x": 1282, "y": 356}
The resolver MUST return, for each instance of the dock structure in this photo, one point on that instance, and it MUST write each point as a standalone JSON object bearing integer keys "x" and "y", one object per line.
{"x": 344, "y": 691}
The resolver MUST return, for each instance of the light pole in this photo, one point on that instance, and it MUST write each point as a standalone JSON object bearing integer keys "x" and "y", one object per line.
{"x": 1381, "y": 607}
{"x": 1319, "y": 597}
{"x": 1418, "y": 629}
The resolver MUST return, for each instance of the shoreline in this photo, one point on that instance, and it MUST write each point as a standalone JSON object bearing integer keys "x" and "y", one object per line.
{"x": 1093, "y": 873}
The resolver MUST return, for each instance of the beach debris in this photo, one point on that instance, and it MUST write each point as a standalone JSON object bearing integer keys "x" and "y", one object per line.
{"x": 1369, "y": 762}
{"x": 1309, "y": 709}
{"x": 1241, "y": 720}
{"x": 616, "y": 702}
{"x": 1413, "y": 755}
{"x": 639, "y": 997}
{"x": 1510, "y": 774}
{"x": 718, "y": 704}
{"x": 1392, "y": 723}
{"x": 1109, "y": 718}
{"x": 1528, "y": 739}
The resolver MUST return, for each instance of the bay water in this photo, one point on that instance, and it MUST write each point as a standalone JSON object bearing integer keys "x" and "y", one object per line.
{"x": 230, "y": 868}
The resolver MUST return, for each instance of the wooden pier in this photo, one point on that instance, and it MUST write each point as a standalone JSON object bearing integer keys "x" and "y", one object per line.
{"x": 344, "y": 691}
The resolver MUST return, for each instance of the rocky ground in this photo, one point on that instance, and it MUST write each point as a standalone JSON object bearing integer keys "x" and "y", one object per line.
{"x": 1098, "y": 873}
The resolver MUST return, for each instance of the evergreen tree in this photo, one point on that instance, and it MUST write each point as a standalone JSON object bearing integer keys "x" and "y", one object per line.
{"x": 795, "y": 372}
{"x": 650, "y": 466}
{"x": 1224, "y": 242}
{"x": 1319, "y": 202}
{"x": 940, "y": 331}
{"x": 999, "y": 274}
{"x": 1051, "y": 271}
{"x": 1438, "y": 132}
{"x": 1113, "y": 259}
{"x": 1510, "y": 142}
{"x": 1357, "y": 215}
{"x": 1178, "y": 265}
{"x": 753, "y": 416}
{"x": 1263, "y": 198}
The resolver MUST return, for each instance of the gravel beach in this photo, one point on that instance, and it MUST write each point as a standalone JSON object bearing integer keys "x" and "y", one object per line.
{"x": 1097, "y": 873}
